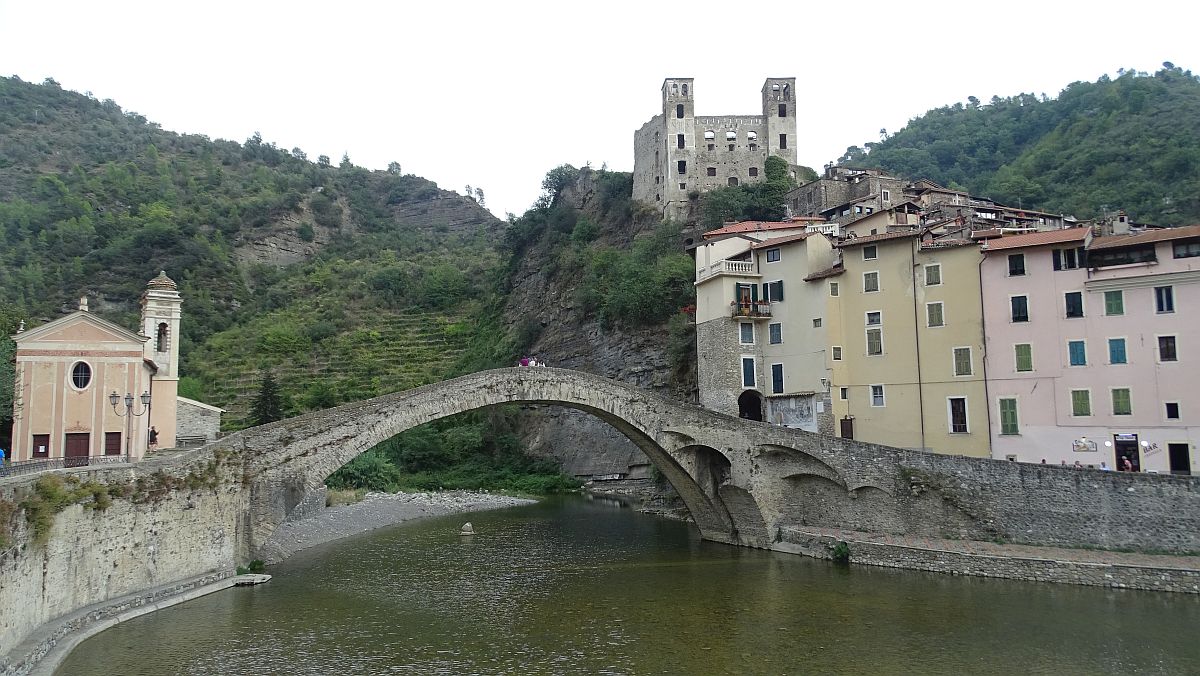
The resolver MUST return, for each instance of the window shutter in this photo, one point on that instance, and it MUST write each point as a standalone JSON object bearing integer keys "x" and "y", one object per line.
{"x": 1057, "y": 259}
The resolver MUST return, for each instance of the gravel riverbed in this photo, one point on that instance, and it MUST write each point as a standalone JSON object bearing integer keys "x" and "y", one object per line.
{"x": 377, "y": 510}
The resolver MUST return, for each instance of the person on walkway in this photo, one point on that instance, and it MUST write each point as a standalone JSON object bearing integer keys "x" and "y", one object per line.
{"x": 1126, "y": 464}
{"x": 524, "y": 361}
{"x": 1104, "y": 467}
{"x": 153, "y": 439}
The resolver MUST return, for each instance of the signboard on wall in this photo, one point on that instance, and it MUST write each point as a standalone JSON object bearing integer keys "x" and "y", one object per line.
{"x": 1083, "y": 446}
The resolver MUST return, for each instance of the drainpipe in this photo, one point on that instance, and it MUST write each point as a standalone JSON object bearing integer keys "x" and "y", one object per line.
{"x": 987, "y": 397}
{"x": 913, "y": 243}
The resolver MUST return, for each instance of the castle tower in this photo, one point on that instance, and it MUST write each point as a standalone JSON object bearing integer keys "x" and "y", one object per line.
{"x": 679, "y": 146}
{"x": 160, "y": 322}
{"x": 779, "y": 110}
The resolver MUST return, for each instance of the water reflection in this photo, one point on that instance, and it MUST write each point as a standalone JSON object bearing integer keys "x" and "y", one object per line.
{"x": 579, "y": 586}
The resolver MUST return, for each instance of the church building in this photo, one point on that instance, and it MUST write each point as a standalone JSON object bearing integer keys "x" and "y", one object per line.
{"x": 88, "y": 388}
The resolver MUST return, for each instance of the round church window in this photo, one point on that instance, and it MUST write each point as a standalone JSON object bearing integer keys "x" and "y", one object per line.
{"x": 81, "y": 375}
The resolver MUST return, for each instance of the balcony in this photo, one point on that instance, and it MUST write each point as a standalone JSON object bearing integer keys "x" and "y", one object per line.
{"x": 831, "y": 229}
{"x": 758, "y": 309}
{"x": 726, "y": 268}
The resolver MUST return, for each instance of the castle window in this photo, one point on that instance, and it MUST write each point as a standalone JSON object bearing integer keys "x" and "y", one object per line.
{"x": 783, "y": 141}
{"x": 685, "y": 90}
{"x": 161, "y": 338}
{"x": 775, "y": 87}
{"x": 682, "y": 166}
{"x": 81, "y": 375}
{"x": 710, "y": 135}
{"x": 783, "y": 110}
{"x": 712, "y": 171}
{"x": 732, "y": 146}
{"x": 751, "y": 136}
{"x": 711, "y": 146}
{"x": 733, "y": 180}
{"x": 753, "y": 172}
{"x": 753, "y": 147}
{"x": 679, "y": 142}
{"x": 679, "y": 110}
{"x": 731, "y": 136}
{"x": 683, "y": 186}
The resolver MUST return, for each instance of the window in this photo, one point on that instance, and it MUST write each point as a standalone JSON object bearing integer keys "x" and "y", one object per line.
{"x": 1116, "y": 351}
{"x": 833, "y": 288}
{"x": 1077, "y": 352}
{"x": 81, "y": 375}
{"x": 870, "y": 282}
{"x": 709, "y": 136}
{"x": 1186, "y": 249}
{"x": 753, "y": 147}
{"x": 776, "y": 333}
{"x": 682, "y": 166}
{"x": 1114, "y": 303}
{"x": 783, "y": 110}
{"x": 711, "y": 171}
{"x": 679, "y": 110}
{"x": 112, "y": 443}
{"x": 843, "y": 393}
{"x": 1123, "y": 256}
{"x": 1164, "y": 299}
{"x": 773, "y": 255}
{"x": 1020, "y": 308}
{"x": 776, "y": 378}
{"x": 1166, "y": 349}
{"x": 753, "y": 172}
{"x": 1074, "y": 301}
{"x": 783, "y": 141}
{"x": 1016, "y": 265}
{"x": 933, "y": 275}
{"x": 733, "y": 181}
{"x": 1068, "y": 259}
{"x": 870, "y": 253}
{"x": 1172, "y": 410}
{"x": 731, "y": 136}
{"x": 746, "y": 333}
{"x": 934, "y": 316}
{"x": 877, "y": 395}
{"x": 1121, "y": 401}
{"x": 1008, "y": 417}
{"x": 816, "y": 322}
{"x": 962, "y": 361}
{"x": 162, "y": 335}
{"x": 958, "y": 415}
{"x": 752, "y": 136}
{"x": 837, "y": 352}
{"x": 712, "y": 146}
{"x": 874, "y": 318}
{"x": 683, "y": 186}
{"x": 731, "y": 147}
{"x": 874, "y": 342}
{"x": 773, "y": 291}
{"x": 887, "y": 195}
{"x": 1024, "y": 356}
{"x": 1081, "y": 402}
{"x": 679, "y": 141}
{"x": 747, "y": 371}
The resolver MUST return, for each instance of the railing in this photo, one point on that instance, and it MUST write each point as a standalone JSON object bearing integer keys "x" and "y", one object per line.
{"x": 831, "y": 229}
{"x": 751, "y": 309}
{"x": 21, "y": 467}
{"x": 728, "y": 268}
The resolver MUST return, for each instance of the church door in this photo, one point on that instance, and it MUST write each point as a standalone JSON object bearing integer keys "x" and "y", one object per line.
{"x": 78, "y": 449}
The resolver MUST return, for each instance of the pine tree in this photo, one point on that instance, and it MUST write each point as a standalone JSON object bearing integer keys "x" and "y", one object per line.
{"x": 268, "y": 404}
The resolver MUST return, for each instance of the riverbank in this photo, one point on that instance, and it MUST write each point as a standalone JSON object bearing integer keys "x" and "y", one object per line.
{"x": 377, "y": 510}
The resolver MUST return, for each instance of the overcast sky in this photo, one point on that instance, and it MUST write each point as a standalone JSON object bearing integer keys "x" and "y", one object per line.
{"x": 495, "y": 94}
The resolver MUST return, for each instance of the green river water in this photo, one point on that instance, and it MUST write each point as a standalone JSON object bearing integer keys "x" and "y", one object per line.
{"x": 580, "y": 586}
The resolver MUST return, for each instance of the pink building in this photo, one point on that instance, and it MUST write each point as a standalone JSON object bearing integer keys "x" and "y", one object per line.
{"x": 1089, "y": 350}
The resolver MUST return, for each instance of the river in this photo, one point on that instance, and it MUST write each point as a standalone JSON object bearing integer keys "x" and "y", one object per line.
{"x": 580, "y": 586}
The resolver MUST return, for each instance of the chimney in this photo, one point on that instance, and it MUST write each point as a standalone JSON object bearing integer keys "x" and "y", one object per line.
{"x": 83, "y": 304}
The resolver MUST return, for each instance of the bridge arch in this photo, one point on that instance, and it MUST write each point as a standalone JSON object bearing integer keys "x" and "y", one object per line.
{"x": 293, "y": 457}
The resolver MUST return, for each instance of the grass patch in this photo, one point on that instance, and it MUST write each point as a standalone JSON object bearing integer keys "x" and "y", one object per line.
{"x": 333, "y": 498}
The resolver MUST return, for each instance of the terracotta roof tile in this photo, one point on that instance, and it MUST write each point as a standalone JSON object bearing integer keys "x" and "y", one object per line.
{"x": 827, "y": 272}
{"x": 782, "y": 240}
{"x": 753, "y": 226}
{"x": 868, "y": 239}
{"x": 1161, "y": 235}
{"x": 1039, "y": 238}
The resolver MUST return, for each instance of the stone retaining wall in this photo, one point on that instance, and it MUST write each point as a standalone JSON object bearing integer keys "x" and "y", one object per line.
{"x": 1150, "y": 578}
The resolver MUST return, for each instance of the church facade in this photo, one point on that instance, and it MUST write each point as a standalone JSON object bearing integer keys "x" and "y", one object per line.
{"x": 88, "y": 388}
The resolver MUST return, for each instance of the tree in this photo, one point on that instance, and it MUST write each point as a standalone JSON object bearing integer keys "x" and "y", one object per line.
{"x": 479, "y": 197}
{"x": 8, "y": 325}
{"x": 345, "y": 163}
{"x": 299, "y": 154}
{"x": 323, "y": 161}
{"x": 394, "y": 168}
{"x": 267, "y": 406}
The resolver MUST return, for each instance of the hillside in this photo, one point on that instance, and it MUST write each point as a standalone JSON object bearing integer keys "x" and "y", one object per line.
{"x": 1128, "y": 143}
{"x": 349, "y": 283}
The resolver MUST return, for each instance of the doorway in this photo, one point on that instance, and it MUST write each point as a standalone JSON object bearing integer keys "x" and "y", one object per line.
{"x": 1126, "y": 446}
{"x": 847, "y": 425}
{"x": 1180, "y": 458}
{"x": 78, "y": 448}
{"x": 750, "y": 405}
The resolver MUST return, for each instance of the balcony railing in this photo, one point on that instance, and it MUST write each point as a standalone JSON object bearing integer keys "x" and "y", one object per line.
{"x": 42, "y": 464}
{"x": 831, "y": 229}
{"x": 727, "y": 268}
{"x": 751, "y": 309}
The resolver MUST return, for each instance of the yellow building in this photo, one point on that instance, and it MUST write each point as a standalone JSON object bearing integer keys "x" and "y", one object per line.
{"x": 69, "y": 371}
{"x": 906, "y": 343}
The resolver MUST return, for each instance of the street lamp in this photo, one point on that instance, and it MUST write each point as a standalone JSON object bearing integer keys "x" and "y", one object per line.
{"x": 129, "y": 413}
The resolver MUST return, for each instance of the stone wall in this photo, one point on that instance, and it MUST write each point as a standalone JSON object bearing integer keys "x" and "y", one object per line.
{"x": 197, "y": 421}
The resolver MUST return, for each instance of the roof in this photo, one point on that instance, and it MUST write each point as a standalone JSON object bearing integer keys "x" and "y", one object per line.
{"x": 827, "y": 272}
{"x": 753, "y": 226}
{"x": 199, "y": 404}
{"x": 1039, "y": 238}
{"x": 1163, "y": 235}
{"x": 787, "y": 239}
{"x": 870, "y": 239}
{"x": 945, "y": 243}
{"x": 119, "y": 332}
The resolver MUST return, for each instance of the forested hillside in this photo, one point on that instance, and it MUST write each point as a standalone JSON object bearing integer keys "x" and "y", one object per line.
{"x": 1128, "y": 143}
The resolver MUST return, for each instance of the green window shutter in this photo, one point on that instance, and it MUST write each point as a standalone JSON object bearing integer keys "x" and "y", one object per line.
{"x": 1114, "y": 303}
{"x": 1121, "y": 402}
{"x": 1024, "y": 352}
{"x": 1081, "y": 402}
{"x": 1008, "y": 416}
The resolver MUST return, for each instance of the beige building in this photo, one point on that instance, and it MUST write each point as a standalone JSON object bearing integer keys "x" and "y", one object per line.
{"x": 69, "y": 370}
{"x": 906, "y": 343}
